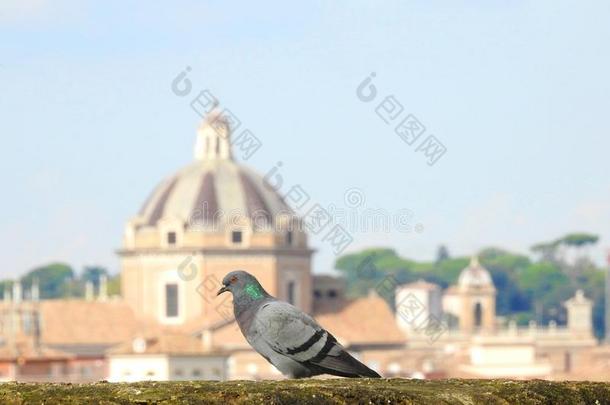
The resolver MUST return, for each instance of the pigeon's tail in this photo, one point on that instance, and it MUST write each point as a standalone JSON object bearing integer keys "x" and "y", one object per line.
{"x": 343, "y": 365}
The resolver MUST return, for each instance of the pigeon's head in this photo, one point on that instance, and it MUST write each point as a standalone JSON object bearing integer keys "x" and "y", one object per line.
{"x": 240, "y": 281}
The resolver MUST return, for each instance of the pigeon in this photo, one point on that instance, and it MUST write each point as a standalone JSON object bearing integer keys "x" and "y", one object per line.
{"x": 285, "y": 336}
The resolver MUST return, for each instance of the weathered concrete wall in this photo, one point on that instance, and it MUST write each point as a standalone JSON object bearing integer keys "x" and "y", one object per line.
{"x": 334, "y": 391}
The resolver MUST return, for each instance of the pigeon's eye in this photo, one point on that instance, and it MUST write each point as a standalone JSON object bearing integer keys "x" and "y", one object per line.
{"x": 233, "y": 279}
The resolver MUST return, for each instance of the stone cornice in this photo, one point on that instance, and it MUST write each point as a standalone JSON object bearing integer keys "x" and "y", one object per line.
{"x": 217, "y": 251}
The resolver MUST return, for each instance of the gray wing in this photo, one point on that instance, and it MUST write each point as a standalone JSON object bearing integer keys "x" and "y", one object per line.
{"x": 288, "y": 331}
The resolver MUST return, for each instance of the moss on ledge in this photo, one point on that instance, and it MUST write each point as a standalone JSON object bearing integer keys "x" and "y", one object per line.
{"x": 316, "y": 391}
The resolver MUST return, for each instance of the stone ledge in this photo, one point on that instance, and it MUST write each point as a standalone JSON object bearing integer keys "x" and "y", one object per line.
{"x": 313, "y": 391}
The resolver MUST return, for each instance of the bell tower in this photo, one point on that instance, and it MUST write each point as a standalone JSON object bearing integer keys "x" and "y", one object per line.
{"x": 477, "y": 296}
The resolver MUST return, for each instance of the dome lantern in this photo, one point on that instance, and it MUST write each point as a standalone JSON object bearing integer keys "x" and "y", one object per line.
{"x": 214, "y": 137}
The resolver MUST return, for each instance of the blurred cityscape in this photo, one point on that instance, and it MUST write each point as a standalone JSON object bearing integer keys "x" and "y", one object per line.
{"x": 495, "y": 314}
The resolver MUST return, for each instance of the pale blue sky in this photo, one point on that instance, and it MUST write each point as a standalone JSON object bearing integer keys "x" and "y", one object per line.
{"x": 518, "y": 91}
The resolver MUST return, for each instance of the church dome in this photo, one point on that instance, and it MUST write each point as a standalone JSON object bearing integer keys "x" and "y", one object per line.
{"x": 206, "y": 192}
{"x": 475, "y": 276}
{"x": 214, "y": 189}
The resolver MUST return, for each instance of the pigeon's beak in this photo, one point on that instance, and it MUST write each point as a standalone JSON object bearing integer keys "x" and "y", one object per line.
{"x": 223, "y": 289}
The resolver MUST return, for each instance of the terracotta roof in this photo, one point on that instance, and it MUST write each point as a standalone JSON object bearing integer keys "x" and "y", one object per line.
{"x": 89, "y": 322}
{"x": 197, "y": 325}
{"x": 177, "y": 344}
{"x": 364, "y": 321}
{"x": 26, "y": 349}
{"x": 70, "y": 322}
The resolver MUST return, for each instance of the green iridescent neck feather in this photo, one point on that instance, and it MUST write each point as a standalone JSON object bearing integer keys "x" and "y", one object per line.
{"x": 254, "y": 291}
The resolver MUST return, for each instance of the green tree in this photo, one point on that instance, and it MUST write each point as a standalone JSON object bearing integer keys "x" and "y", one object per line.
{"x": 592, "y": 282}
{"x": 505, "y": 268}
{"x": 5, "y": 287}
{"x": 447, "y": 272}
{"x": 363, "y": 271}
{"x": 547, "y": 250}
{"x": 442, "y": 254}
{"x": 52, "y": 279}
{"x": 546, "y": 287}
{"x": 114, "y": 285}
{"x": 579, "y": 239}
{"x": 93, "y": 274}
{"x": 526, "y": 289}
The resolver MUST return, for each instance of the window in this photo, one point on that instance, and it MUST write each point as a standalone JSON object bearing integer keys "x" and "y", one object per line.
{"x": 236, "y": 237}
{"x": 196, "y": 372}
{"x": 171, "y": 238}
{"x": 290, "y": 293}
{"x": 478, "y": 315}
{"x": 317, "y": 294}
{"x": 289, "y": 238}
{"x": 171, "y": 300}
{"x": 332, "y": 293}
{"x": 178, "y": 372}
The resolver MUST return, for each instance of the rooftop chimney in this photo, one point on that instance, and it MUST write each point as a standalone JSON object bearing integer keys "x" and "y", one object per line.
{"x": 35, "y": 290}
{"x": 89, "y": 290}
{"x": 103, "y": 295}
{"x": 17, "y": 291}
